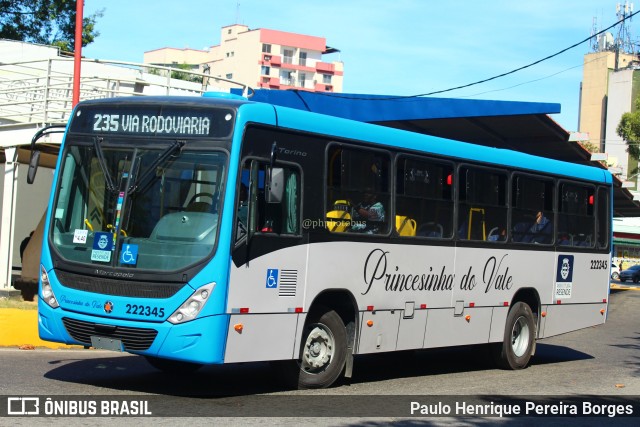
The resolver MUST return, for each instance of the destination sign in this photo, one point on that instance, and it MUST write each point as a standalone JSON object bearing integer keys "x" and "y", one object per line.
{"x": 184, "y": 122}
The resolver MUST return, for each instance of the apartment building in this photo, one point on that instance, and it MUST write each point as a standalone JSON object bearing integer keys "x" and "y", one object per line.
{"x": 261, "y": 58}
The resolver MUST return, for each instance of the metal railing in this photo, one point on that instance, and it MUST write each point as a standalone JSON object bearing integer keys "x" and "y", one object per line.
{"x": 40, "y": 91}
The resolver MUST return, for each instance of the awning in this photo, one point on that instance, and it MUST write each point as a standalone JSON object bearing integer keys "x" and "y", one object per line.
{"x": 519, "y": 126}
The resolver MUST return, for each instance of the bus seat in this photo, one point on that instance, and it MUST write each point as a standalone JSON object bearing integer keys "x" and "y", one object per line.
{"x": 405, "y": 226}
{"x": 194, "y": 227}
{"x": 495, "y": 235}
{"x": 338, "y": 220}
{"x": 520, "y": 232}
{"x": 431, "y": 229}
{"x": 199, "y": 207}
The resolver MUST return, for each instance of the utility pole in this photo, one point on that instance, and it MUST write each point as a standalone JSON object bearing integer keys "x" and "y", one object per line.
{"x": 77, "y": 53}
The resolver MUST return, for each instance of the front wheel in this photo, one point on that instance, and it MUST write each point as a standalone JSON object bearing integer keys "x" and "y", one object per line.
{"x": 322, "y": 354}
{"x": 519, "y": 336}
{"x": 615, "y": 276}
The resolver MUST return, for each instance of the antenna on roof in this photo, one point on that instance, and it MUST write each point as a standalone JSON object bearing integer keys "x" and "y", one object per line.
{"x": 237, "y": 12}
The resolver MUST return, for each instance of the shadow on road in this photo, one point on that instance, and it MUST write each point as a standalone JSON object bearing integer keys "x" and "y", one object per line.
{"x": 134, "y": 374}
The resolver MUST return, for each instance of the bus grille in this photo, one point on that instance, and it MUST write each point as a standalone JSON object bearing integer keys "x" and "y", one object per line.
{"x": 123, "y": 288}
{"x": 132, "y": 338}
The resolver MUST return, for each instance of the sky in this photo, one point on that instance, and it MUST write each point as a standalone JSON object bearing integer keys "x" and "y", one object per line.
{"x": 400, "y": 47}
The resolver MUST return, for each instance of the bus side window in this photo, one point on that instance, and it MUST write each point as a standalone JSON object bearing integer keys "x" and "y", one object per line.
{"x": 359, "y": 180}
{"x": 483, "y": 210}
{"x": 576, "y": 222}
{"x": 255, "y": 213}
{"x": 424, "y": 198}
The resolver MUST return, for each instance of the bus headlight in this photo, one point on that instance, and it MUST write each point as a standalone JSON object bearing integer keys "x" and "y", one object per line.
{"x": 192, "y": 306}
{"x": 47, "y": 293}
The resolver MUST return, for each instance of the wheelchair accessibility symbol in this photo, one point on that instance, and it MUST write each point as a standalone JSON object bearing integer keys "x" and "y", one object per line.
{"x": 272, "y": 278}
{"x": 129, "y": 254}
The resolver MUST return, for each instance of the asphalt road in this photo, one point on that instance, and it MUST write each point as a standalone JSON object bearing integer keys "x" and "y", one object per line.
{"x": 598, "y": 361}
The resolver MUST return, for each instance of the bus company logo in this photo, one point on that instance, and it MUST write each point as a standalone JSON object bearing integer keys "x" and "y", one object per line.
{"x": 23, "y": 406}
{"x": 565, "y": 268}
{"x": 108, "y": 307}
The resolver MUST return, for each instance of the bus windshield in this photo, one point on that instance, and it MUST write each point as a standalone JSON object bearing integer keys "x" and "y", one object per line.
{"x": 138, "y": 203}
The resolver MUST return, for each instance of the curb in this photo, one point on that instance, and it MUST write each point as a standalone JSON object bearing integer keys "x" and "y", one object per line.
{"x": 20, "y": 329}
{"x": 625, "y": 288}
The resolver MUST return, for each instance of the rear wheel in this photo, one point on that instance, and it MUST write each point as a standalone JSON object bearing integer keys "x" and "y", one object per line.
{"x": 519, "y": 337}
{"x": 615, "y": 276}
{"x": 172, "y": 366}
{"x": 322, "y": 354}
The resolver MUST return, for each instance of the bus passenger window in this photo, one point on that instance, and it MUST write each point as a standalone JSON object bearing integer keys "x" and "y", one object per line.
{"x": 357, "y": 191}
{"x": 576, "y": 222}
{"x": 482, "y": 206}
{"x": 424, "y": 198}
{"x": 532, "y": 213}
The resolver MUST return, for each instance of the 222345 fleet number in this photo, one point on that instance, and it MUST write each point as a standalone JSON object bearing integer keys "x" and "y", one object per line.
{"x": 145, "y": 310}
{"x": 599, "y": 264}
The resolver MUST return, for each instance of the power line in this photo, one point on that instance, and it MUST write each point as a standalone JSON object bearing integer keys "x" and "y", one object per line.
{"x": 490, "y": 78}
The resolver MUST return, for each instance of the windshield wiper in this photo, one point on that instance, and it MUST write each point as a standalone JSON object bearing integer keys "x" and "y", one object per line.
{"x": 145, "y": 178}
{"x": 103, "y": 165}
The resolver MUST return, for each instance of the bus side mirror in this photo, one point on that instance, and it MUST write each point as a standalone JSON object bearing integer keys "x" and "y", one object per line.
{"x": 275, "y": 186}
{"x": 33, "y": 166}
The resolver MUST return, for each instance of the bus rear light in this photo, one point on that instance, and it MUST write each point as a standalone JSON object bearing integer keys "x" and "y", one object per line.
{"x": 190, "y": 309}
{"x": 47, "y": 292}
{"x": 472, "y": 304}
{"x": 423, "y": 306}
{"x": 559, "y": 301}
{"x": 244, "y": 310}
{"x": 369, "y": 308}
{"x": 506, "y": 303}
{"x": 298, "y": 310}
{"x": 238, "y": 327}
{"x": 604, "y": 300}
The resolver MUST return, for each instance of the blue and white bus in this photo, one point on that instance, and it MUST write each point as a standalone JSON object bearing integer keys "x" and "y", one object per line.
{"x": 212, "y": 230}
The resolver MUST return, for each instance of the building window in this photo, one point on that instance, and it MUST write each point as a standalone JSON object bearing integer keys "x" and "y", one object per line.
{"x": 287, "y": 78}
{"x": 302, "y": 58}
{"x": 326, "y": 79}
{"x": 288, "y": 56}
{"x": 229, "y": 76}
{"x": 264, "y": 70}
{"x": 266, "y": 48}
{"x": 303, "y": 79}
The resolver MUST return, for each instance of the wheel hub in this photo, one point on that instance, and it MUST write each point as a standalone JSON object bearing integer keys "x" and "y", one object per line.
{"x": 318, "y": 349}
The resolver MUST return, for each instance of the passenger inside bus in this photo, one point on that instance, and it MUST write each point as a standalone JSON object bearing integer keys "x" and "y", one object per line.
{"x": 369, "y": 215}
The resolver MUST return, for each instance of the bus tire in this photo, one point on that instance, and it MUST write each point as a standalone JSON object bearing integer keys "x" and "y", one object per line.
{"x": 323, "y": 352}
{"x": 172, "y": 366}
{"x": 519, "y": 337}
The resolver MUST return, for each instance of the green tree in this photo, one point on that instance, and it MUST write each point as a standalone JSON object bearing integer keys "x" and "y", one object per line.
{"x": 629, "y": 130}
{"x": 49, "y": 22}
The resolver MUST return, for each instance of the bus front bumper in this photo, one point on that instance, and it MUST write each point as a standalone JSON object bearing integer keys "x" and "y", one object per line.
{"x": 199, "y": 341}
